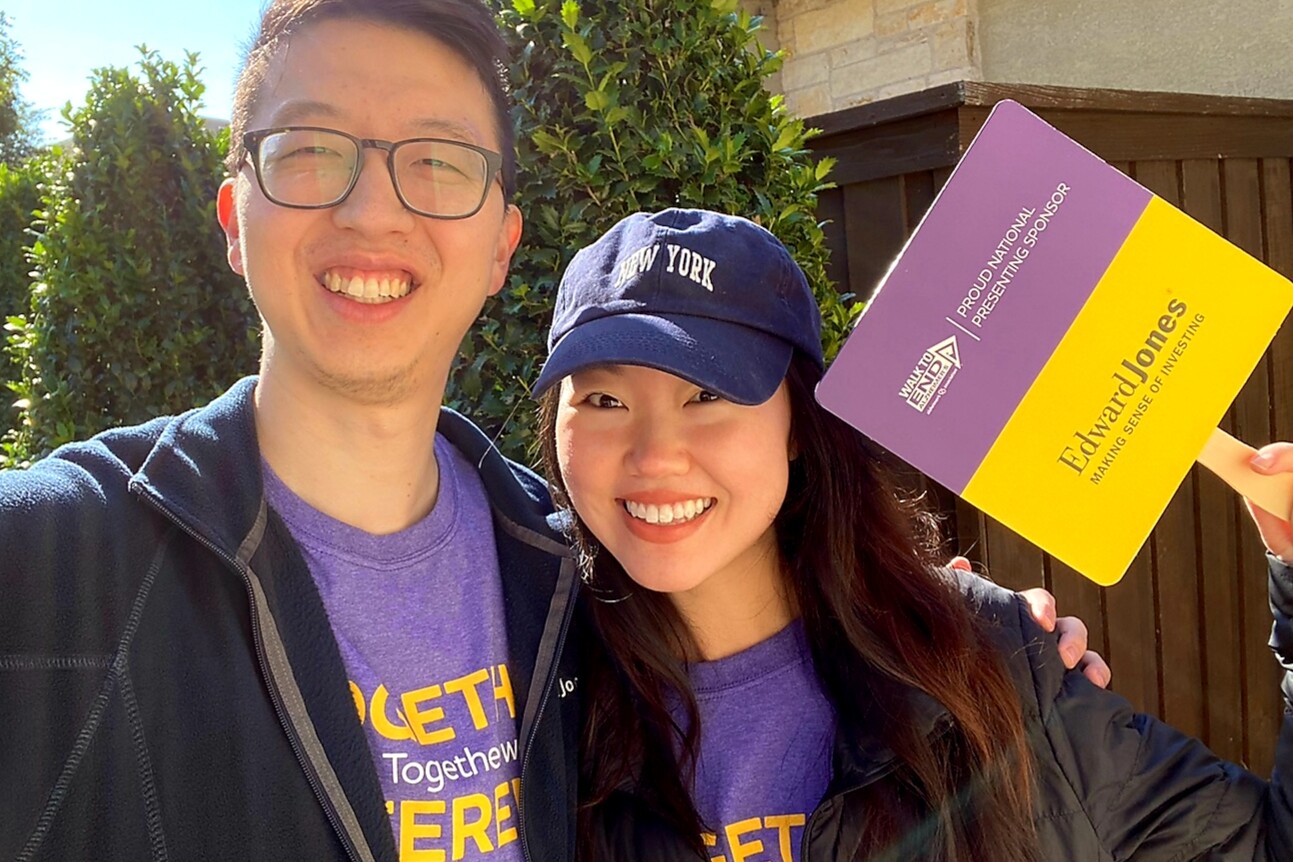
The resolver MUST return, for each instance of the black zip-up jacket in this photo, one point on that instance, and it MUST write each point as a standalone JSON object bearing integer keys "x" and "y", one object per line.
{"x": 1112, "y": 784}
{"x": 169, "y": 685}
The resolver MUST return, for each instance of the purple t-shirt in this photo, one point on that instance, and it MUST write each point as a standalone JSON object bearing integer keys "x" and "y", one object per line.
{"x": 767, "y": 732}
{"x": 418, "y": 616}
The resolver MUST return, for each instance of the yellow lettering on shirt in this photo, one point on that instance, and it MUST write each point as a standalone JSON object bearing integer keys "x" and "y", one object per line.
{"x": 467, "y": 685}
{"x": 783, "y": 824}
{"x": 382, "y": 724}
{"x": 477, "y": 829}
{"x": 411, "y": 830}
{"x": 741, "y": 852}
{"x": 709, "y": 839}
{"x": 503, "y": 689}
{"x": 358, "y": 696}
{"x": 420, "y": 719}
{"x": 502, "y": 836}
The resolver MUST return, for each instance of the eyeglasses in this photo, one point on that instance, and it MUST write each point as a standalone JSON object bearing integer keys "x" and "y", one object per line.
{"x": 305, "y": 167}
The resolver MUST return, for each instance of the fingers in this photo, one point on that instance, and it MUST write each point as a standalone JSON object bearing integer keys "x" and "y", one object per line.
{"x": 1275, "y": 526}
{"x": 1095, "y": 668}
{"x": 1274, "y": 458}
{"x": 960, "y": 564}
{"x": 1042, "y": 606}
{"x": 1073, "y": 638}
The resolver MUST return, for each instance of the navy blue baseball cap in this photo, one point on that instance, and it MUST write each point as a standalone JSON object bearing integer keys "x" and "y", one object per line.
{"x": 714, "y": 299}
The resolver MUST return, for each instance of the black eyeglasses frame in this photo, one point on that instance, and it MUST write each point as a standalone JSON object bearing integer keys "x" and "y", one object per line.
{"x": 252, "y": 140}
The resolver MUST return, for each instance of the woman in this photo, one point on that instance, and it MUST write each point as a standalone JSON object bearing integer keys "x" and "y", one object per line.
{"x": 784, "y": 672}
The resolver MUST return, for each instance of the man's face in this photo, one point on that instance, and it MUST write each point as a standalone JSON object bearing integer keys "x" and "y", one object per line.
{"x": 301, "y": 264}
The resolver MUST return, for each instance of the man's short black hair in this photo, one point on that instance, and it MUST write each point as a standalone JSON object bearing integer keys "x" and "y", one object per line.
{"x": 467, "y": 27}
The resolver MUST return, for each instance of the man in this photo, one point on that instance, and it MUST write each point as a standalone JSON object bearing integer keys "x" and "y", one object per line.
{"x": 178, "y": 683}
{"x": 198, "y": 608}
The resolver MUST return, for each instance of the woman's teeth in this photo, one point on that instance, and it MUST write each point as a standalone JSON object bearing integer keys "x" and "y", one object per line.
{"x": 676, "y": 513}
{"x": 368, "y": 289}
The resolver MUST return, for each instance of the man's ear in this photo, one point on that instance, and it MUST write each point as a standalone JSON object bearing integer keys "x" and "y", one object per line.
{"x": 509, "y": 237}
{"x": 227, "y": 215}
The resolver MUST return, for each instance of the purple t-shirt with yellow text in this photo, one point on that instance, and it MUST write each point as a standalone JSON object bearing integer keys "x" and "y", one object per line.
{"x": 767, "y": 733}
{"x": 418, "y": 617}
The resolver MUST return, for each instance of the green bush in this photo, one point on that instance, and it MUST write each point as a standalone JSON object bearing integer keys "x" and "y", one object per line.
{"x": 133, "y": 311}
{"x": 19, "y": 199}
{"x": 627, "y": 106}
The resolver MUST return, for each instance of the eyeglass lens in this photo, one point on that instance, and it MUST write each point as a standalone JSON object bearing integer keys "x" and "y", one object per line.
{"x": 309, "y": 167}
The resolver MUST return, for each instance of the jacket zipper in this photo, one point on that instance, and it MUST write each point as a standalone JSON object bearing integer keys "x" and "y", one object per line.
{"x": 871, "y": 777}
{"x": 538, "y": 717}
{"x": 272, "y": 685}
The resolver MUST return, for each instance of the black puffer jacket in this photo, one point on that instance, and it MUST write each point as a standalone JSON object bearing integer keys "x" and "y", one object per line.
{"x": 1113, "y": 784}
{"x": 169, "y": 685}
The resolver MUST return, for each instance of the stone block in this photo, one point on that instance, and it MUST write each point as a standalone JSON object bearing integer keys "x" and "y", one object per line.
{"x": 891, "y": 24}
{"x": 805, "y": 70}
{"x": 810, "y": 101}
{"x": 884, "y": 7}
{"x": 857, "y": 51}
{"x": 882, "y": 70}
{"x": 839, "y": 24}
{"x": 952, "y": 45}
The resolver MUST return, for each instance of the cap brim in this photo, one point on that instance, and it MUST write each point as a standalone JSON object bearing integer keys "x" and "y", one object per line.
{"x": 743, "y": 365}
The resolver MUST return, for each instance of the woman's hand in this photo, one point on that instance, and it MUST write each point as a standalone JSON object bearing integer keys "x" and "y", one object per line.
{"x": 1276, "y": 528}
{"x": 1071, "y": 630}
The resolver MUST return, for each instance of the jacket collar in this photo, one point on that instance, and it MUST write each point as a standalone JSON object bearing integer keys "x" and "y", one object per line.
{"x": 205, "y": 469}
{"x": 519, "y": 497}
{"x": 860, "y": 753}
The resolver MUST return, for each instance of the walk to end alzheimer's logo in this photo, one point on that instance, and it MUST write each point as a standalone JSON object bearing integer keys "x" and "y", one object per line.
{"x": 929, "y": 380}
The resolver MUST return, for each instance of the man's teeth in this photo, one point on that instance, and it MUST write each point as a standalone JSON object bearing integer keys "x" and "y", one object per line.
{"x": 675, "y": 513}
{"x": 370, "y": 289}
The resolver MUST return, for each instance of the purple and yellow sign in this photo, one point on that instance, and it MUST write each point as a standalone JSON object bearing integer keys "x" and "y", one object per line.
{"x": 1055, "y": 344}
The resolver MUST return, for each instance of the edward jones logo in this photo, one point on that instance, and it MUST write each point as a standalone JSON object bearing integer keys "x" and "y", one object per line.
{"x": 929, "y": 381}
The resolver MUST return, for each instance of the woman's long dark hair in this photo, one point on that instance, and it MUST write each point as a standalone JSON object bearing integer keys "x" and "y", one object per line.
{"x": 862, "y": 573}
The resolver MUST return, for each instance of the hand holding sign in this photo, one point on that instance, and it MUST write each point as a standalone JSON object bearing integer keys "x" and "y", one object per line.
{"x": 1265, "y": 478}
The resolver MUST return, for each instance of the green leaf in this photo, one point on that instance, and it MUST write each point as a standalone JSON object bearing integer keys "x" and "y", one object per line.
{"x": 578, "y": 47}
{"x": 786, "y": 138}
{"x": 570, "y": 13}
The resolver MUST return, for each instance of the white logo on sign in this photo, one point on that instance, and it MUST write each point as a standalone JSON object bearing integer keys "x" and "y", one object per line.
{"x": 929, "y": 380}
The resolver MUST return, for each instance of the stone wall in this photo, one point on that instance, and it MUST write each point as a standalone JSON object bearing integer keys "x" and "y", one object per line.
{"x": 847, "y": 52}
{"x": 842, "y": 53}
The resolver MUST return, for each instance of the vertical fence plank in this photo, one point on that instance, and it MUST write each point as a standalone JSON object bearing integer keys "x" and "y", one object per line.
{"x": 830, "y": 212}
{"x": 874, "y": 230}
{"x": 1277, "y": 198}
{"x": 918, "y": 193}
{"x": 1011, "y": 560}
{"x": 1078, "y": 596}
{"x": 1133, "y": 635}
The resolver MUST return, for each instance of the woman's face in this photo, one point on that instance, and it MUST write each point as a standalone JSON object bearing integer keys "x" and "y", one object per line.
{"x": 679, "y": 484}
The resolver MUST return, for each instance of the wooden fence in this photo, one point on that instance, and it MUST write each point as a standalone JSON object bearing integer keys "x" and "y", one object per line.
{"x": 1186, "y": 629}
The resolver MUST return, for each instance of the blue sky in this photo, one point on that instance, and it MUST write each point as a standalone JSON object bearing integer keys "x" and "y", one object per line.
{"x": 62, "y": 42}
